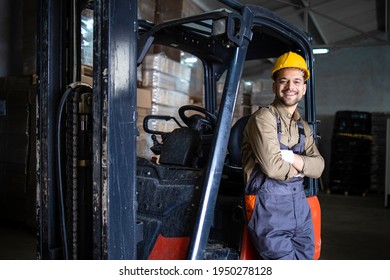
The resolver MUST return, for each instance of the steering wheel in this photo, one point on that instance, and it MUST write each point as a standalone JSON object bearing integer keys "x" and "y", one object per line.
{"x": 204, "y": 123}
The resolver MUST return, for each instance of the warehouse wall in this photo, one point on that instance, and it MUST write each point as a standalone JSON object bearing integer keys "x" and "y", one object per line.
{"x": 11, "y": 23}
{"x": 17, "y": 110}
{"x": 354, "y": 79}
{"x": 17, "y": 150}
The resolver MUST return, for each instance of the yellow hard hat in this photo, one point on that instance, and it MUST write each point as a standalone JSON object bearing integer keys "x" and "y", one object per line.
{"x": 291, "y": 60}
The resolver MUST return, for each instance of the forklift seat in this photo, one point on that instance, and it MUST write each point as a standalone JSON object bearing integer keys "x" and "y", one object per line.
{"x": 233, "y": 179}
{"x": 235, "y": 141}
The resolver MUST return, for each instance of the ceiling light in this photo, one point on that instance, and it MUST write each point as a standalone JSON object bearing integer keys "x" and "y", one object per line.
{"x": 320, "y": 51}
{"x": 190, "y": 60}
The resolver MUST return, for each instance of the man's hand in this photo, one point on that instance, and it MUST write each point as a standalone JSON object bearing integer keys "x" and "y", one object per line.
{"x": 291, "y": 158}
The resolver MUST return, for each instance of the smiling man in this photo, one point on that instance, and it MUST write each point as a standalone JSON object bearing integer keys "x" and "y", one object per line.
{"x": 278, "y": 151}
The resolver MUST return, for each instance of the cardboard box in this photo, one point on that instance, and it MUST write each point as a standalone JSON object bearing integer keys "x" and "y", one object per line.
{"x": 147, "y": 97}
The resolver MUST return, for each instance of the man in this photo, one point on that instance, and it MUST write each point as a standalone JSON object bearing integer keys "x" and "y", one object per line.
{"x": 278, "y": 151}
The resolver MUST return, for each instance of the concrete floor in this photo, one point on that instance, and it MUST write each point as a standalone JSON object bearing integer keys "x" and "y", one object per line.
{"x": 17, "y": 242}
{"x": 353, "y": 228}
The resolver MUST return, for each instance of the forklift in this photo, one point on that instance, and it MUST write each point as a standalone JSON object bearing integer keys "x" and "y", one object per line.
{"x": 98, "y": 199}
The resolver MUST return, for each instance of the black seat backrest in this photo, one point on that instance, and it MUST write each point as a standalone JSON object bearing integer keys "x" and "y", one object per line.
{"x": 235, "y": 141}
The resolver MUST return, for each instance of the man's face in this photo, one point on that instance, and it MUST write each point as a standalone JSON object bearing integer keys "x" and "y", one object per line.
{"x": 289, "y": 86}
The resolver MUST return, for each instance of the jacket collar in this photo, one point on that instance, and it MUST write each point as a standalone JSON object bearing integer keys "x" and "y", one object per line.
{"x": 283, "y": 113}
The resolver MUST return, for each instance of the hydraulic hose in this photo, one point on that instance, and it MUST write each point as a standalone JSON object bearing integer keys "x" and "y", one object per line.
{"x": 72, "y": 88}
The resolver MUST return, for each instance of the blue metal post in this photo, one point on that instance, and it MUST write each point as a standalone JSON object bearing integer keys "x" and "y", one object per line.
{"x": 115, "y": 71}
{"x": 214, "y": 170}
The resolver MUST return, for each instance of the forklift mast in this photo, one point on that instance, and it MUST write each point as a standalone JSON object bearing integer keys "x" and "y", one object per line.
{"x": 222, "y": 40}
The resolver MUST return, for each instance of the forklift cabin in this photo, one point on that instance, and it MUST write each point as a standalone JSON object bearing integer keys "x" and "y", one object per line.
{"x": 97, "y": 199}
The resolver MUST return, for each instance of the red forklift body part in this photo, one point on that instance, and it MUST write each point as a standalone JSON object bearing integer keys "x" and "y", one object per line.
{"x": 316, "y": 216}
{"x": 249, "y": 205}
{"x": 170, "y": 248}
{"x": 248, "y": 251}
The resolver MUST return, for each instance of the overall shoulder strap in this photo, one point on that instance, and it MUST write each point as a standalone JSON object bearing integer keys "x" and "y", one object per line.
{"x": 278, "y": 125}
{"x": 301, "y": 131}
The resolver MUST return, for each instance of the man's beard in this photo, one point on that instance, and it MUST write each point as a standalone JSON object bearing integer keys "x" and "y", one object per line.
{"x": 289, "y": 101}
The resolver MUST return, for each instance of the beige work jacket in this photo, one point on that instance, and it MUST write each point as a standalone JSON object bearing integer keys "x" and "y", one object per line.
{"x": 261, "y": 145}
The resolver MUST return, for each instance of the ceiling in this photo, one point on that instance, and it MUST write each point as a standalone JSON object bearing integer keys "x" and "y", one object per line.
{"x": 332, "y": 23}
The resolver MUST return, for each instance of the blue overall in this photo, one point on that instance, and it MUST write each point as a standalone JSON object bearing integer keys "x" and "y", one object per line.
{"x": 281, "y": 225}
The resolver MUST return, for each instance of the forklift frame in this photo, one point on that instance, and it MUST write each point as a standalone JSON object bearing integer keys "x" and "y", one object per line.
{"x": 120, "y": 44}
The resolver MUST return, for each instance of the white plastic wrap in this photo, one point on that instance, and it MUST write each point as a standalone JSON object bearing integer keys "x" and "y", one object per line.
{"x": 160, "y": 62}
{"x": 154, "y": 78}
{"x": 262, "y": 94}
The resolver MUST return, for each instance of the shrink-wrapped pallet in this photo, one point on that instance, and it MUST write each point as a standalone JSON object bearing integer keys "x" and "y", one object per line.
{"x": 147, "y": 97}
{"x": 161, "y": 63}
{"x": 155, "y": 78}
{"x": 243, "y": 102}
{"x": 262, "y": 94}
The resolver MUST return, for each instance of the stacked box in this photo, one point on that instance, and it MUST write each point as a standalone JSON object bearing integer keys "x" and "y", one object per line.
{"x": 147, "y": 97}
{"x": 163, "y": 64}
{"x": 87, "y": 74}
{"x": 378, "y": 151}
{"x": 262, "y": 94}
{"x": 146, "y": 10}
{"x": 158, "y": 79}
{"x": 351, "y": 152}
{"x": 165, "y": 87}
{"x": 243, "y": 102}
